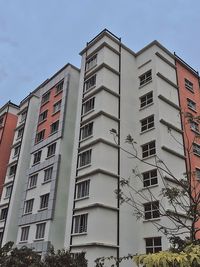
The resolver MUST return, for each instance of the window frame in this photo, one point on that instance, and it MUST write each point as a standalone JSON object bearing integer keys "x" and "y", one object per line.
{"x": 147, "y": 123}
{"x": 42, "y": 116}
{"x": 24, "y": 233}
{"x": 151, "y": 210}
{"x": 150, "y": 151}
{"x": 40, "y": 231}
{"x": 32, "y": 180}
{"x": 87, "y": 160}
{"x": 48, "y": 170}
{"x": 153, "y": 248}
{"x": 189, "y": 85}
{"x": 91, "y": 62}
{"x": 40, "y": 136}
{"x": 45, "y": 98}
{"x": 59, "y": 87}
{"x": 15, "y": 169}
{"x": 145, "y": 77}
{"x": 28, "y": 206}
{"x": 82, "y": 189}
{"x": 8, "y": 191}
{"x": 80, "y": 223}
{"x": 51, "y": 150}
{"x": 44, "y": 201}
{"x": 37, "y": 157}
{"x": 191, "y": 104}
{"x": 57, "y": 106}
{"x": 146, "y": 100}
{"x": 150, "y": 178}
{"x": 88, "y": 106}
{"x": 56, "y": 129}
{"x": 87, "y": 130}
{"x": 90, "y": 83}
{"x": 196, "y": 149}
{"x": 4, "y": 213}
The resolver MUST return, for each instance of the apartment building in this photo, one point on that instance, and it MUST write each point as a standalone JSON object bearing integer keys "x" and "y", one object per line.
{"x": 132, "y": 93}
{"x": 44, "y": 140}
{"x": 65, "y": 164}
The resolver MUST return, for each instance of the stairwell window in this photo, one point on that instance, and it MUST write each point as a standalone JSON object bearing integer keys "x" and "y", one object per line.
{"x": 39, "y": 136}
{"x": 91, "y": 82}
{"x": 147, "y": 123}
{"x": 145, "y": 78}
{"x": 51, "y": 150}
{"x": 37, "y": 157}
{"x": 24, "y": 233}
{"x": 87, "y": 130}
{"x": 82, "y": 189}
{"x": 20, "y": 133}
{"x": 16, "y": 151}
{"x": 23, "y": 116}
{"x": 149, "y": 149}
{"x": 189, "y": 85}
{"x": 150, "y": 178}
{"x": 196, "y": 149}
{"x": 28, "y": 206}
{"x": 40, "y": 230}
{"x": 151, "y": 210}
{"x": 191, "y": 104}
{"x": 153, "y": 244}
{"x": 194, "y": 126}
{"x": 80, "y": 223}
{"x": 145, "y": 100}
{"x": 42, "y": 116}
{"x": 91, "y": 62}
{"x": 88, "y": 106}
{"x": 44, "y": 201}
{"x": 85, "y": 158}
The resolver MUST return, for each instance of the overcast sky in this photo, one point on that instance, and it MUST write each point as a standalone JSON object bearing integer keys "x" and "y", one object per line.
{"x": 38, "y": 37}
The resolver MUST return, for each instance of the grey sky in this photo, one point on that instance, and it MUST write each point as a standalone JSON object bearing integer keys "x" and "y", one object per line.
{"x": 38, "y": 37}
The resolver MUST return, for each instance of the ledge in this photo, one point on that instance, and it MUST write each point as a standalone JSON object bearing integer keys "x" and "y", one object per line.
{"x": 173, "y": 152}
{"x": 97, "y": 171}
{"x": 99, "y": 140}
{"x": 100, "y": 113}
{"x": 96, "y": 205}
{"x": 165, "y": 60}
{"x": 169, "y": 125}
{"x": 94, "y": 244}
{"x": 99, "y": 89}
{"x": 167, "y": 80}
{"x": 169, "y": 102}
{"x": 101, "y": 66}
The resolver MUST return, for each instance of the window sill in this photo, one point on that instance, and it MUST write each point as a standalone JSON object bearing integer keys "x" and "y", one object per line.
{"x": 28, "y": 213}
{"x": 40, "y": 141}
{"x": 192, "y": 109}
{"x": 57, "y": 93}
{"x": 145, "y": 84}
{"x": 38, "y": 240}
{"x": 23, "y": 242}
{"x": 42, "y": 121}
{"x": 85, "y": 139}
{"x": 11, "y": 176}
{"x": 77, "y": 234}
{"x": 33, "y": 187}
{"x": 83, "y": 167}
{"x": 46, "y": 182}
{"x": 53, "y": 133}
{"x": 93, "y": 67}
{"x": 14, "y": 157}
{"x": 148, "y": 157}
{"x": 88, "y": 112}
{"x": 198, "y": 155}
{"x": 51, "y": 156}
{"x": 191, "y": 90}
{"x": 195, "y": 131}
{"x": 54, "y": 113}
{"x": 43, "y": 104}
{"x": 148, "y": 105}
{"x": 81, "y": 198}
{"x": 43, "y": 209}
{"x": 151, "y": 220}
{"x": 89, "y": 90}
{"x": 150, "y": 187}
{"x": 2, "y": 220}
{"x": 36, "y": 163}
{"x": 148, "y": 130}
{"x": 7, "y": 197}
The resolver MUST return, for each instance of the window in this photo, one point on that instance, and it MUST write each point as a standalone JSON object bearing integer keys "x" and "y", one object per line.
{"x": 146, "y": 77}
{"x": 43, "y": 116}
{"x": 40, "y": 230}
{"x": 149, "y": 149}
{"x": 191, "y": 104}
{"x": 82, "y": 189}
{"x": 24, "y": 233}
{"x": 44, "y": 201}
{"x": 153, "y": 244}
{"x": 4, "y": 213}
{"x": 54, "y": 127}
{"x": 16, "y": 151}
{"x": 146, "y": 100}
{"x": 147, "y": 123}
{"x": 48, "y": 174}
{"x": 8, "y": 191}
{"x": 90, "y": 82}
{"x": 12, "y": 170}
{"x": 32, "y": 180}
{"x": 91, "y": 62}
{"x": 198, "y": 174}
{"x": 57, "y": 106}
{"x": 87, "y": 130}
{"x": 88, "y": 105}
{"x": 150, "y": 178}
{"x": 28, "y": 206}
{"x": 85, "y": 158}
{"x": 45, "y": 97}
{"x": 20, "y": 132}
{"x": 151, "y": 210}
{"x": 51, "y": 150}
{"x": 189, "y": 85}
{"x": 59, "y": 87}
{"x": 23, "y": 116}
{"x": 80, "y": 223}
{"x": 1, "y": 238}
{"x": 1, "y": 121}
{"x": 196, "y": 149}
{"x": 39, "y": 136}
{"x": 194, "y": 126}
{"x": 37, "y": 157}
